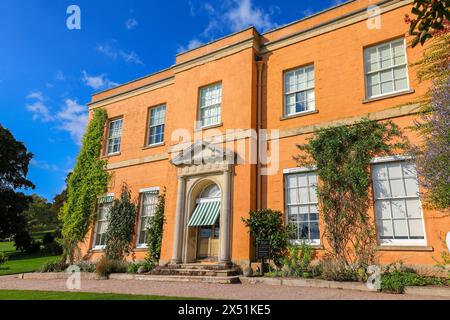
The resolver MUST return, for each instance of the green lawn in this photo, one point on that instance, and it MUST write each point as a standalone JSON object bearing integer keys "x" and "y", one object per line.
{"x": 48, "y": 295}
{"x": 21, "y": 262}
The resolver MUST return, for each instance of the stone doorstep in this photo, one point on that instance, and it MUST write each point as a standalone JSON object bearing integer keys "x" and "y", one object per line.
{"x": 194, "y": 272}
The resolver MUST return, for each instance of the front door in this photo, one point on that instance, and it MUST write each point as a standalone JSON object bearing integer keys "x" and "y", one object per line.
{"x": 208, "y": 242}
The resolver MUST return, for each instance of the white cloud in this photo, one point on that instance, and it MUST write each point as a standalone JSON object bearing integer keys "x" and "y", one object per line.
{"x": 40, "y": 111}
{"x": 112, "y": 50}
{"x": 73, "y": 119}
{"x": 98, "y": 82}
{"x": 36, "y": 95}
{"x": 232, "y": 16}
{"x": 306, "y": 12}
{"x": 44, "y": 165}
{"x": 245, "y": 14}
{"x": 194, "y": 43}
{"x": 131, "y": 23}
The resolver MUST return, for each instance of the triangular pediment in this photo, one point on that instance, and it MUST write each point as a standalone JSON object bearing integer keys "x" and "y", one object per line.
{"x": 202, "y": 152}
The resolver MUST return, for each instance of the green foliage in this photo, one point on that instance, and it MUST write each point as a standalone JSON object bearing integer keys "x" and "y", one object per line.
{"x": 155, "y": 231}
{"x": 120, "y": 232}
{"x": 86, "y": 266}
{"x": 105, "y": 267}
{"x": 3, "y": 258}
{"x": 88, "y": 181}
{"x": 433, "y": 156}
{"x": 429, "y": 18}
{"x": 268, "y": 224}
{"x": 40, "y": 215}
{"x": 54, "y": 266}
{"x": 342, "y": 155}
{"x": 297, "y": 261}
{"x": 25, "y": 243}
{"x": 396, "y": 277}
{"x": 332, "y": 270}
{"x": 14, "y": 162}
{"x": 145, "y": 266}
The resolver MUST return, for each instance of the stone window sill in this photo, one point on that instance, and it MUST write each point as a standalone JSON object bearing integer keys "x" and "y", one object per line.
{"x": 387, "y": 96}
{"x": 156, "y": 145}
{"x": 405, "y": 248}
{"x": 297, "y": 115}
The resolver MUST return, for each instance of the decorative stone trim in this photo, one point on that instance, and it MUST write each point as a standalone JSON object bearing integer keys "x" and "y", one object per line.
{"x": 134, "y": 162}
{"x": 405, "y": 248}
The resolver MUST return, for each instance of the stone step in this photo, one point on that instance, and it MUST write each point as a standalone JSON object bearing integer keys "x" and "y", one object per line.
{"x": 195, "y": 272}
{"x": 201, "y": 266}
{"x": 203, "y": 279}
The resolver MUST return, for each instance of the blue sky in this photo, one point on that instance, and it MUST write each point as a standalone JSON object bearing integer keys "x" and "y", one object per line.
{"x": 48, "y": 73}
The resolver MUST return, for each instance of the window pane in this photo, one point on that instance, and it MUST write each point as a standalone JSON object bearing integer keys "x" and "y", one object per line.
{"x": 394, "y": 170}
{"x": 416, "y": 228}
{"x": 383, "y": 209}
{"x": 385, "y": 56}
{"x": 381, "y": 189}
{"x": 371, "y": 59}
{"x": 299, "y": 90}
{"x": 398, "y": 209}
{"x": 397, "y": 188}
{"x": 399, "y": 52}
{"x": 401, "y": 229}
{"x": 385, "y": 229}
{"x": 413, "y": 207}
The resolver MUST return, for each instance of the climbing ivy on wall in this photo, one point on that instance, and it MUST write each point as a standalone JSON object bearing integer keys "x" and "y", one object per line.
{"x": 120, "y": 232}
{"x": 155, "y": 230}
{"x": 88, "y": 181}
{"x": 342, "y": 155}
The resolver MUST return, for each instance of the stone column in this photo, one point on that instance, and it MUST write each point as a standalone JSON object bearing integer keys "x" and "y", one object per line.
{"x": 179, "y": 221}
{"x": 225, "y": 220}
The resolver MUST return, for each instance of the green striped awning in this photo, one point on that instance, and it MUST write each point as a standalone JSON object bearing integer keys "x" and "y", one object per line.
{"x": 205, "y": 214}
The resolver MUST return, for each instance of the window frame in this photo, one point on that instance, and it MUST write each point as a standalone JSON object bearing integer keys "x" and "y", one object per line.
{"x": 108, "y": 138}
{"x": 149, "y": 126}
{"x": 94, "y": 238}
{"x": 299, "y": 170}
{"x": 141, "y": 207}
{"x": 397, "y": 242}
{"x": 285, "y": 94}
{"x": 199, "y": 118}
{"x": 392, "y": 67}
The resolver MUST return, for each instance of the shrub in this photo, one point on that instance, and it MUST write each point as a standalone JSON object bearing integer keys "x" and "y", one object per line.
{"x": 133, "y": 267}
{"x": 268, "y": 224}
{"x": 155, "y": 232}
{"x": 106, "y": 266}
{"x": 335, "y": 271}
{"x": 3, "y": 258}
{"x": 50, "y": 246}
{"x": 122, "y": 218}
{"x": 22, "y": 241}
{"x": 297, "y": 262}
{"x": 54, "y": 266}
{"x": 396, "y": 277}
{"x": 86, "y": 266}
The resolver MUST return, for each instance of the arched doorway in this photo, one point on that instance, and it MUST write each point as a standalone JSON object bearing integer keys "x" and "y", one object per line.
{"x": 206, "y": 218}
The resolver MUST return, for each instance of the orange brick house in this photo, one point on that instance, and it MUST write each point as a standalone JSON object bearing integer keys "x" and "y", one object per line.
{"x": 190, "y": 129}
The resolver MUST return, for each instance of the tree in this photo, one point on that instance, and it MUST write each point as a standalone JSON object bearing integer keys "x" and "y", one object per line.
{"x": 121, "y": 224}
{"x": 268, "y": 224}
{"x": 40, "y": 215}
{"x": 430, "y": 18}
{"x": 342, "y": 155}
{"x": 88, "y": 181}
{"x": 14, "y": 161}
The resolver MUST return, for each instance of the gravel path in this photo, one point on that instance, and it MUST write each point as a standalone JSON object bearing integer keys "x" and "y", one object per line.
{"x": 202, "y": 290}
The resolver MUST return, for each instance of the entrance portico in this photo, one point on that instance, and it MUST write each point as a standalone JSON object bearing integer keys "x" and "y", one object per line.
{"x": 202, "y": 228}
